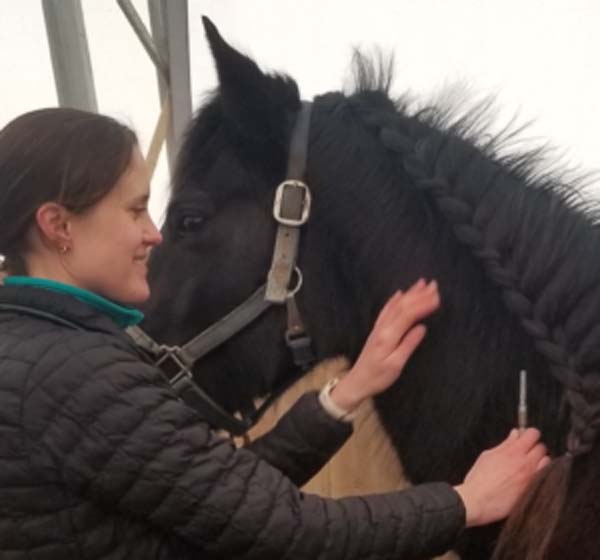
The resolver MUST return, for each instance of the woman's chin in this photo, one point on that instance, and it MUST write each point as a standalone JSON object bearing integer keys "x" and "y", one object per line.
{"x": 141, "y": 296}
{"x": 136, "y": 295}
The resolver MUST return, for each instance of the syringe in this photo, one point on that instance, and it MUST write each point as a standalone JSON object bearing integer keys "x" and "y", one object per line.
{"x": 522, "y": 410}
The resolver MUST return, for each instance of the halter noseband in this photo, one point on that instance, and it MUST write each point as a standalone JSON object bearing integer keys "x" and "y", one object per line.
{"x": 291, "y": 209}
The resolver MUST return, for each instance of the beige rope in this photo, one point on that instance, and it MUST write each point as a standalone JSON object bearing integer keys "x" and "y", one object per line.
{"x": 160, "y": 133}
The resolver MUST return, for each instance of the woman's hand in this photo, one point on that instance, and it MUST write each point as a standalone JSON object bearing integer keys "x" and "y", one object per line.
{"x": 392, "y": 341}
{"x": 500, "y": 476}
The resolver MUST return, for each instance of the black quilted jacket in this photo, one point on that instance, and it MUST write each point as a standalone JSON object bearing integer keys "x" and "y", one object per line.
{"x": 98, "y": 459}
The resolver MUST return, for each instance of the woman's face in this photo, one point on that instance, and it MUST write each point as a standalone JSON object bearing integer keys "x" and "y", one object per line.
{"x": 111, "y": 242}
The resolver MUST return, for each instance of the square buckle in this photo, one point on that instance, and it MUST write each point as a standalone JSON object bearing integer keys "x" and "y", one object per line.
{"x": 288, "y": 203}
{"x": 172, "y": 365}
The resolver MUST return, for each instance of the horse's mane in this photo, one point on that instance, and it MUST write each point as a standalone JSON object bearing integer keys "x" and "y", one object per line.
{"x": 531, "y": 229}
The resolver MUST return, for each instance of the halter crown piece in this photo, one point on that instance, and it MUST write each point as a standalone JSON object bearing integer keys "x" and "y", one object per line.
{"x": 291, "y": 210}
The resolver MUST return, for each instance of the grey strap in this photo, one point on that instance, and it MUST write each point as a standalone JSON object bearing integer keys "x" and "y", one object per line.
{"x": 143, "y": 340}
{"x": 296, "y": 337}
{"x": 291, "y": 209}
{"x": 225, "y": 328}
{"x": 299, "y": 143}
{"x": 210, "y": 338}
{"x": 282, "y": 266}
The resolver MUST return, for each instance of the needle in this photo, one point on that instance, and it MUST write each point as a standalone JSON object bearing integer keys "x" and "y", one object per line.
{"x": 522, "y": 410}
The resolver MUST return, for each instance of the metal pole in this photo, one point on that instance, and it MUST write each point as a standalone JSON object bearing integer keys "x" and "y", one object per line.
{"x": 145, "y": 38}
{"x": 179, "y": 70}
{"x": 70, "y": 55}
{"x": 160, "y": 41}
{"x": 169, "y": 21}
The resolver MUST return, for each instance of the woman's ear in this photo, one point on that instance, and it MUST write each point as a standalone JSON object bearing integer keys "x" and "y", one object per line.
{"x": 52, "y": 220}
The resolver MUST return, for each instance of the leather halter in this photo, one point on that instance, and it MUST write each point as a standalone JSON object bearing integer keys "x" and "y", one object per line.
{"x": 291, "y": 209}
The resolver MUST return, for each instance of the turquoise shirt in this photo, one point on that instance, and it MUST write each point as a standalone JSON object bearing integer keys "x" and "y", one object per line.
{"x": 123, "y": 316}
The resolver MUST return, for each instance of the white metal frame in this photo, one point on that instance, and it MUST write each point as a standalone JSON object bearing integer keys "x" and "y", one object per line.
{"x": 167, "y": 46}
{"x": 69, "y": 54}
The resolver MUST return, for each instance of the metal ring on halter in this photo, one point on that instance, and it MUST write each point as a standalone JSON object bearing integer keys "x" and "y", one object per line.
{"x": 291, "y": 293}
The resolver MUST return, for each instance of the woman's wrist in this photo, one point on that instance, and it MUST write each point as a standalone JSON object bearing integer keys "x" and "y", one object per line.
{"x": 347, "y": 394}
{"x": 340, "y": 409}
{"x": 472, "y": 514}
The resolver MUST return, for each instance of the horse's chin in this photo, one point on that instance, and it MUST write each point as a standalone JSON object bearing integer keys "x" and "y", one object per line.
{"x": 230, "y": 381}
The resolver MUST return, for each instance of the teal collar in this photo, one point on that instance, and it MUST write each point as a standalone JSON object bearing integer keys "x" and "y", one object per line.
{"x": 123, "y": 316}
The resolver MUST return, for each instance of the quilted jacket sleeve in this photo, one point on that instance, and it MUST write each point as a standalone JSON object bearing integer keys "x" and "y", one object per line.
{"x": 104, "y": 425}
{"x": 303, "y": 440}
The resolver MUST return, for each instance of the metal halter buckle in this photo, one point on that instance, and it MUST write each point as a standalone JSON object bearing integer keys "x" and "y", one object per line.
{"x": 282, "y": 191}
{"x": 299, "y": 281}
{"x": 170, "y": 357}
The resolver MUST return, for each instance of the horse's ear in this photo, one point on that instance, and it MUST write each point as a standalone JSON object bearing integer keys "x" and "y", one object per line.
{"x": 254, "y": 103}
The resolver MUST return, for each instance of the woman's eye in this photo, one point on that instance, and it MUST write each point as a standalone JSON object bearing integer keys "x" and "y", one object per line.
{"x": 188, "y": 224}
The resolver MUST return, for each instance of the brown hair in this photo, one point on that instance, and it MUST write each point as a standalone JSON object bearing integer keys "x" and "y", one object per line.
{"x": 60, "y": 155}
{"x": 527, "y": 533}
{"x": 553, "y": 512}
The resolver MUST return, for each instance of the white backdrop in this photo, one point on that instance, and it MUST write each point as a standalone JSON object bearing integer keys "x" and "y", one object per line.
{"x": 539, "y": 58}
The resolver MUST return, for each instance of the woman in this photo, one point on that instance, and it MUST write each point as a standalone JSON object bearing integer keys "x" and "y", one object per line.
{"x": 100, "y": 459}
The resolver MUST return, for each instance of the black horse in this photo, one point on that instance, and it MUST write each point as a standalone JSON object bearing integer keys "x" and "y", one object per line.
{"x": 398, "y": 195}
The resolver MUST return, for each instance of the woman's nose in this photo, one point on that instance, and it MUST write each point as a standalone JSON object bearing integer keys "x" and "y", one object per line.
{"x": 153, "y": 235}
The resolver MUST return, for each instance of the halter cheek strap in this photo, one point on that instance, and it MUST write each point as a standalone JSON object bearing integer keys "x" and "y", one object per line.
{"x": 291, "y": 210}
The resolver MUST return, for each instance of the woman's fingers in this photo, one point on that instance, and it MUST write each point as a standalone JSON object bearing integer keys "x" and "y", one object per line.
{"x": 398, "y": 318}
{"x": 544, "y": 462}
{"x": 523, "y": 442}
{"x": 398, "y": 359}
{"x": 390, "y": 307}
{"x": 537, "y": 453}
{"x": 528, "y": 439}
{"x": 409, "y": 311}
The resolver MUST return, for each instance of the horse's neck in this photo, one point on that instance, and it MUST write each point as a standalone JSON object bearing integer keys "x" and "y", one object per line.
{"x": 363, "y": 258}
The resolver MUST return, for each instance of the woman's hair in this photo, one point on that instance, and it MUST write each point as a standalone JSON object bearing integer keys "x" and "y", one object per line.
{"x": 58, "y": 155}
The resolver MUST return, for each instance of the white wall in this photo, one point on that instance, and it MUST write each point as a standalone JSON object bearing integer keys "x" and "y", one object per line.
{"x": 538, "y": 57}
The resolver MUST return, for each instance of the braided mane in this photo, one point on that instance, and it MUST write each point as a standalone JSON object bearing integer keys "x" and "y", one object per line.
{"x": 526, "y": 226}
{"x": 532, "y": 231}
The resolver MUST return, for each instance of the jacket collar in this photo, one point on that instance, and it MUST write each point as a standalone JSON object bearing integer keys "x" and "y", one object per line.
{"x": 63, "y": 305}
{"x": 123, "y": 316}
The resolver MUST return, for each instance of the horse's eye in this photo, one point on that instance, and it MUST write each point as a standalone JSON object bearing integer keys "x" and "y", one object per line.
{"x": 189, "y": 223}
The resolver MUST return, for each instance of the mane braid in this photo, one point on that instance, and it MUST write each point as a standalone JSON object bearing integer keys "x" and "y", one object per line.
{"x": 546, "y": 275}
{"x": 420, "y": 162}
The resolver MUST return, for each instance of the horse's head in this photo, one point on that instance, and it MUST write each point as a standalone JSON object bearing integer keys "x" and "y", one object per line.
{"x": 220, "y": 232}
